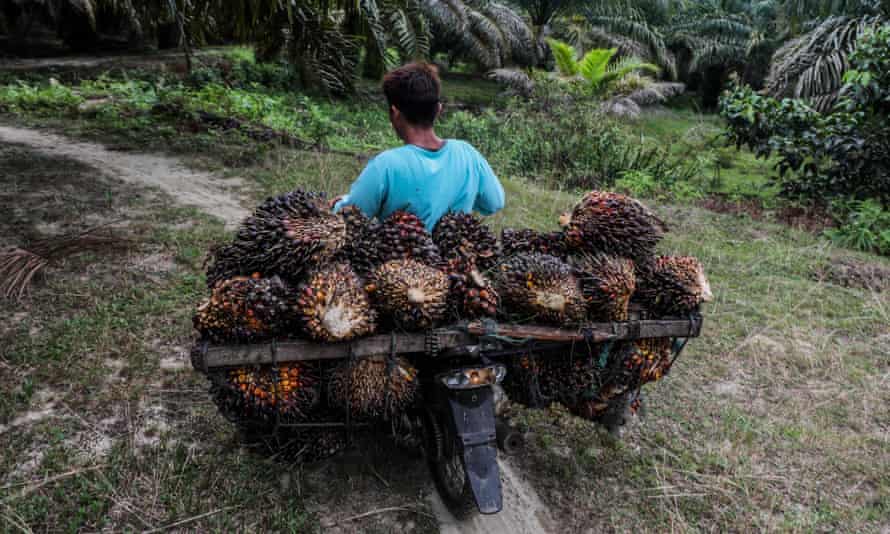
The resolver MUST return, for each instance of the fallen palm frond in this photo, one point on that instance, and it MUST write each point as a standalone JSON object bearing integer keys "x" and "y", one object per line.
{"x": 19, "y": 266}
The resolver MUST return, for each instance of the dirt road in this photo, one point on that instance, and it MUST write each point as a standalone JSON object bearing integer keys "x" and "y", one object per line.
{"x": 523, "y": 511}
{"x": 213, "y": 195}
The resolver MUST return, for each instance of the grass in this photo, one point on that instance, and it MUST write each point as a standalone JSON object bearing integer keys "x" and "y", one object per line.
{"x": 775, "y": 419}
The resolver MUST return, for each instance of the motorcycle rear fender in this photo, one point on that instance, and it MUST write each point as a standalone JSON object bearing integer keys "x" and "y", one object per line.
{"x": 473, "y": 422}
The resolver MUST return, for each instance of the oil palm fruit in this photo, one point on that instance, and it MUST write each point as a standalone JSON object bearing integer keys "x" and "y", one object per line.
{"x": 528, "y": 241}
{"x": 361, "y": 247}
{"x": 674, "y": 286}
{"x": 463, "y": 236}
{"x": 290, "y": 389}
{"x": 651, "y": 359}
{"x": 373, "y": 387}
{"x": 403, "y": 235}
{"x": 285, "y": 235}
{"x": 567, "y": 378}
{"x": 541, "y": 288}
{"x": 522, "y": 382}
{"x": 472, "y": 295}
{"x": 410, "y": 294}
{"x": 614, "y": 224}
{"x": 333, "y": 304}
{"x": 607, "y": 283}
{"x": 245, "y": 309}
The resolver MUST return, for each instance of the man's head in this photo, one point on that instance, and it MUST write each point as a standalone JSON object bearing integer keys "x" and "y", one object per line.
{"x": 412, "y": 92}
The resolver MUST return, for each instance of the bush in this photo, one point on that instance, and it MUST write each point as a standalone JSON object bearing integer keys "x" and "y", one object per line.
{"x": 52, "y": 98}
{"x": 863, "y": 225}
{"x": 844, "y": 153}
{"x": 574, "y": 143}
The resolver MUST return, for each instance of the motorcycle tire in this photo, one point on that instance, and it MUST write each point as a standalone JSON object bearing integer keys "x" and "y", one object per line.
{"x": 448, "y": 469}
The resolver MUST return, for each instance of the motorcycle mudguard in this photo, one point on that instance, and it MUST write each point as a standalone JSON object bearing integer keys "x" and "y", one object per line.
{"x": 472, "y": 413}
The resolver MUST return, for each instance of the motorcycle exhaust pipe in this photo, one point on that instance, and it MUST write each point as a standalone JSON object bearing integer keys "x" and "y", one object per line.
{"x": 510, "y": 440}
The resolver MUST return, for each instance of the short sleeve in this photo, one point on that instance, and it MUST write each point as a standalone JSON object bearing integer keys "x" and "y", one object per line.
{"x": 368, "y": 191}
{"x": 490, "y": 198}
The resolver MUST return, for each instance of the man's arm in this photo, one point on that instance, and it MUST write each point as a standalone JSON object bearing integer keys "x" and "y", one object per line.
{"x": 490, "y": 198}
{"x": 368, "y": 191}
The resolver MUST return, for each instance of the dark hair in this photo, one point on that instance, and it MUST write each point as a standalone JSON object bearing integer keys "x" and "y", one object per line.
{"x": 414, "y": 90}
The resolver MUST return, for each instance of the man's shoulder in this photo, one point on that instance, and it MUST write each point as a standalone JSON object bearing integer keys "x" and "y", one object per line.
{"x": 463, "y": 146}
{"x": 392, "y": 155}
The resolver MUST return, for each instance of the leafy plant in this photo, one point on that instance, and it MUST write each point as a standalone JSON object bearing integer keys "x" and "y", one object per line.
{"x": 842, "y": 153}
{"x": 596, "y": 66}
{"x": 863, "y": 225}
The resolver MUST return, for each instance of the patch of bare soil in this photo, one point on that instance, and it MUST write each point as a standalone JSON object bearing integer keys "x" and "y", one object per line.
{"x": 850, "y": 272}
{"x": 212, "y": 195}
{"x": 810, "y": 219}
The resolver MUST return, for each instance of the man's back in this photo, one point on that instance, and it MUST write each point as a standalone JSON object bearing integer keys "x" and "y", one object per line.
{"x": 427, "y": 183}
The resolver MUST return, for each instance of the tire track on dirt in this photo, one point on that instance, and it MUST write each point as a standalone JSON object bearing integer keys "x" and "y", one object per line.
{"x": 202, "y": 190}
{"x": 523, "y": 511}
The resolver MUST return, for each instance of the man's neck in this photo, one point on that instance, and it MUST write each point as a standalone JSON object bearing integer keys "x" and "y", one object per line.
{"x": 424, "y": 138}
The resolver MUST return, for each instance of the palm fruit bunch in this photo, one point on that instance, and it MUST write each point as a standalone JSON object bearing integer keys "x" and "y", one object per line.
{"x": 412, "y": 295}
{"x": 462, "y": 236}
{"x": 403, "y": 235}
{"x": 472, "y": 295}
{"x": 290, "y": 389}
{"x": 245, "y": 309}
{"x": 613, "y": 224}
{"x": 567, "y": 378}
{"x": 285, "y": 235}
{"x": 522, "y": 381}
{"x": 361, "y": 247}
{"x": 528, "y": 241}
{"x": 541, "y": 287}
{"x": 333, "y": 305}
{"x": 373, "y": 387}
{"x": 607, "y": 283}
{"x": 674, "y": 286}
{"x": 651, "y": 359}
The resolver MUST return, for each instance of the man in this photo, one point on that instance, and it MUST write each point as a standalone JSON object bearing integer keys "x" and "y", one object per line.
{"x": 428, "y": 176}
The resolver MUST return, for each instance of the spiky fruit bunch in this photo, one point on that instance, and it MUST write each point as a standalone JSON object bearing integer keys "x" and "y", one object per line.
{"x": 412, "y": 295}
{"x": 361, "y": 247}
{"x": 651, "y": 359}
{"x": 528, "y": 241}
{"x": 522, "y": 382}
{"x": 567, "y": 378}
{"x": 291, "y": 389}
{"x": 285, "y": 235}
{"x": 607, "y": 283}
{"x": 613, "y": 224}
{"x": 333, "y": 304}
{"x": 403, "y": 235}
{"x": 674, "y": 285}
{"x": 462, "y": 236}
{"x": 540, "y": 287}
{"x": 373, "y": 387}
{"x": 245, "y": 309}
{"x": 631, "y": 365}
{"x": 472, "y": 294}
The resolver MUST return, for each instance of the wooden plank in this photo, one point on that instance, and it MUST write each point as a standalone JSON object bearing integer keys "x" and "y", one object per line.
{"x": 297, "y": 350}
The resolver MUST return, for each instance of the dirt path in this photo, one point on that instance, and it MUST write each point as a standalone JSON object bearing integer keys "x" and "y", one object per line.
{"x": 215, "y": 196}
{"x": 523, "y": 511}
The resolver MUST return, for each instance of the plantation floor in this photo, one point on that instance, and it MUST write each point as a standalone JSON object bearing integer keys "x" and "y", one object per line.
{"x": 776, "y": 419}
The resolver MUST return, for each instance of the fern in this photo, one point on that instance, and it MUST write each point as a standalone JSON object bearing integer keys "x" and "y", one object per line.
{"x": 594, "y": 66}
{"x": 564, "y": 55}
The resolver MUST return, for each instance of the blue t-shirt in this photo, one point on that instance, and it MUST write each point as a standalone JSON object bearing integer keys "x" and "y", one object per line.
{"x": 426, "y": 183}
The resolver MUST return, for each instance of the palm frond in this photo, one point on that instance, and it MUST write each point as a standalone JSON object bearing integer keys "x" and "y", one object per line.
{"x": 812, "y": 66}
{"x": 564, "y": 55}
{"x": 626, "y": 65}
{"x": 593, "y": 66}
{"x": 514, "y": 79}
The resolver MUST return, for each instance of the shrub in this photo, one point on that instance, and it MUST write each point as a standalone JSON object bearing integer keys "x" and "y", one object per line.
{"x": 844, "y": 153}
{"x": 52, "y": 98}
{"x": 863, "y": 225}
